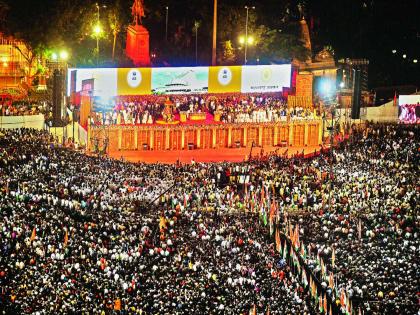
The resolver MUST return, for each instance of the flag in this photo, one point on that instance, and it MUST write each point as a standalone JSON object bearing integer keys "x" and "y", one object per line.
{"x": 117, "y": 305}
{"x": 333, "y": 257}
{"x": 185, "y": 200}
{"x": 302, "y": 250}
{"x": 321, "y": 304}
{"x": 262, "y": 194}
{"x": 272, "y": 210}
{"x": 313, "y": 289}
{"x": 395, "y": 98}
{"x": 284, "y": 250}
{"x": 246, "y": 192}
{"x": 322, "y": 268}
{"x": 263, "y": 215}
{"x": 331, "y": 281}
{"x": 33, "y": 235}
{"x": 162, "y": 223}
{"x": 66, "y": 238}
{"x": 297, "y": 235}
{"x": 271, "y": 226}
{"x": 349, "y": 307}
{"x": 325, "y": 304}
{"x": 342, "y": 297}
{"x": 359, "y": 229}
{"x": 304, "y": 278}
{"x": 278, "y": 242}
{"x": 253, "y": 310}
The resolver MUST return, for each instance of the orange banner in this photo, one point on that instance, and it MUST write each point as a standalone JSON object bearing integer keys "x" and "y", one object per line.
{"x": 304, "y": 85}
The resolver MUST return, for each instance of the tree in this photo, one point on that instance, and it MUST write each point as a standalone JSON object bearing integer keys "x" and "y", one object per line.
{"x": 115, "y": 25}
{"x": 228, "y": 53}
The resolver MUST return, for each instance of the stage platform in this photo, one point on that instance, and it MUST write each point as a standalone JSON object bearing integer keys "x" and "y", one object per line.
{"x": 206, "y": 155}
{"x": 213, "y": 137}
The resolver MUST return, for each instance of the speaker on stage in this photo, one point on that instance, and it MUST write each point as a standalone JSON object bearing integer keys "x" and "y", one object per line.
{"x": 57, "y": 96}
{"x": 357, "y": 93}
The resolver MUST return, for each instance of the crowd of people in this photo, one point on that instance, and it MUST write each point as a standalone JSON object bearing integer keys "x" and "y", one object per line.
{"x": 20, "y": 108}
{"x": 232, "y": 108}
{"x": 86, "y": 234}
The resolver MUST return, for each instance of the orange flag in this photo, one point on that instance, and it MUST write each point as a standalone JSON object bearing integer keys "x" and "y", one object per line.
{"x": 278, "y": 242}
{"x": 342, "y": 298}
{"x": 66, "y": 238}
{"x": 331, "y": 280}
{"x": 325, "y": 304}
{"x": 321, "y": 304}
{"x": 333, "y": 257}
{"x": 253, "y": 311}
{"x": 33, "y": 235}
{"x": 117, "y": 305}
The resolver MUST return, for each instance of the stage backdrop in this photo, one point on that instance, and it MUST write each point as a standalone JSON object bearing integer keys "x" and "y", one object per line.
{"x": 110, "y": 82}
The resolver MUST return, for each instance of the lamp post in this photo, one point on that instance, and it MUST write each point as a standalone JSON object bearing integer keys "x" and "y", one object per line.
{"x": 195, "y": 28}
{"x": 166, "y": 27}
{"x": 213, "y": 49}
{"x": 97, "y": 29}
{"x": 246, "y": 29}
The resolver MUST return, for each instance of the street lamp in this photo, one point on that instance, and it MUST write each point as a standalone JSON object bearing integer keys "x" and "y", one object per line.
{"x": 98, "y": 30}
{"x": 166, "y": 27}
{"x": 246, "y": 29}
{"x": 64, "y": 55}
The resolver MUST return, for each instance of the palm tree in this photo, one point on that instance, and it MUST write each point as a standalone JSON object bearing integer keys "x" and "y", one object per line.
{"x": 115, "y": 25}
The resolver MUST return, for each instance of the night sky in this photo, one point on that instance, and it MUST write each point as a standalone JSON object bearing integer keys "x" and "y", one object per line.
{"x": 369, "y": 29}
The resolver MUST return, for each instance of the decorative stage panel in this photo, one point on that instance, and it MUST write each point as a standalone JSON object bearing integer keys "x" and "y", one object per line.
{"x": 181, "y": 137}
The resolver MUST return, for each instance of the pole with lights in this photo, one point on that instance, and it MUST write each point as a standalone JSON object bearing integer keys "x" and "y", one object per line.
{"x": 98, "y": 30}
{"x": 166, "y": 26}
{"x": 246, "y": 29}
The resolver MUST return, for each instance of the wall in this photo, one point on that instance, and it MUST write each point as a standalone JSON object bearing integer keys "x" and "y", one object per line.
{"x": 80, "y": 134}
{"x": 29, "y": 121}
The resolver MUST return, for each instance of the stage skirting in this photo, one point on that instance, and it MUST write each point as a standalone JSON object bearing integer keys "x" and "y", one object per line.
{"x": 179, "y": 137}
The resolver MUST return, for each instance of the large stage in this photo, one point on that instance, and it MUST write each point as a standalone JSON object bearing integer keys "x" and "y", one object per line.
{"x": 140, "y": 139}
{"x": 208, "y": 155}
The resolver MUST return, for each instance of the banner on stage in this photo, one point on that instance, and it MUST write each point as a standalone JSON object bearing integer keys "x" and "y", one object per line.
{"x": 105, "y": 83}
{"x": 225, "y": 79}
{"x": 134, "y": 81}
{"x": 182, "y": 80}
{"x": 270, "y": 78}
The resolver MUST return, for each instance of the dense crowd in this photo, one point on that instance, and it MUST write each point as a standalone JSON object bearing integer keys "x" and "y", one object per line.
{"x": 20, "y": 108}
{"x": 80, "y": 233}
{"x": 236, "y": 108}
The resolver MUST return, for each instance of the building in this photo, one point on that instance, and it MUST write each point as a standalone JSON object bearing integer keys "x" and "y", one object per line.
{"x": 315, "y": 73}
{"x": 13, "y": 65}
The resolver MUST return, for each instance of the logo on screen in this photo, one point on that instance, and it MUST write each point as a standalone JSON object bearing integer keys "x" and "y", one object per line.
{"x": 134, "y": 78}
{"x": 266, "y": 75}
{"x": 224, "y": 76}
